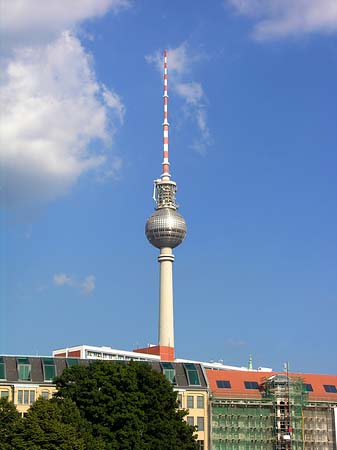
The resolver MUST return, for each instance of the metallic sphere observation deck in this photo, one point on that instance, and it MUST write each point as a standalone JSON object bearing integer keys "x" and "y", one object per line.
{"x": 165, "y": 228}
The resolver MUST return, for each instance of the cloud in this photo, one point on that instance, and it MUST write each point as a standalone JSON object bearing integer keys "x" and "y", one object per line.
{"x": 281, "y": 18}
{"x": 34, "y": 21}
{"x": 53, "y": 108}
{"x": 57, "y": 121}
{"x": 86, "y": 286}
{"x": 180, "y": 64}
{"x": 61, "y": 279}
{"x": 179, "y": 60}
{"x": 191, "y": 92}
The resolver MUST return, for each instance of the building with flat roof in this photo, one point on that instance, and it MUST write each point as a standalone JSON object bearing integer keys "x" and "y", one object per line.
{"x": 111, "y": 354}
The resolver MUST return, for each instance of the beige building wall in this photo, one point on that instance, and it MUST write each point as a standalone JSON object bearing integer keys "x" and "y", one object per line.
{"x": 196, "y": 402}
{"x": 24, "y": 395}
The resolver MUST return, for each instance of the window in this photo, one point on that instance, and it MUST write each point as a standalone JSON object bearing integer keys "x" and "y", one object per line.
{"x": 331, "y": 388}
{"x": 2, "y": 368}
{"x": 201, "y": 445}
{"x": 190, "y": 420}
{"x": 169, "y": 372}
{"x": 49, "y": 369}
{"x": 190, "y": 401}
{"x": 94, "y": 354}
{"x": 200, "y": 401}
{"x": 72, "y": 362}
{"x": 223, "y": 384}
{"x": 23, "y": 365}
{"x": 200, "y": 423}
{"x": 31, "y": 397}
{"x": 45, "y": 394}
{"x": 251, "y": 385}
{"x": 180, "y": 400}
{"x": 4, "y": 394}
{"x": 26, "y": 397}
{"x": 192, "y": 374}
{"x": 307, "y": 387}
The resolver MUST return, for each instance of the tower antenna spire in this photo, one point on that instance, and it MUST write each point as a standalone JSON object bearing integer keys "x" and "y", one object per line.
{"x": 166, "y": 173}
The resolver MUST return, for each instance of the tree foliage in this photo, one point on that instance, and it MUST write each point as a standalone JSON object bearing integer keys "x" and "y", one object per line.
{"x": 9, "y": 421}
{"x": 129, "y": 406}
{"x": 52, "y": 425}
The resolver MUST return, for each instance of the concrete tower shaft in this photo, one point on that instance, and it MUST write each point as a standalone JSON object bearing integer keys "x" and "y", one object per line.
{"x": 165, "y": 229}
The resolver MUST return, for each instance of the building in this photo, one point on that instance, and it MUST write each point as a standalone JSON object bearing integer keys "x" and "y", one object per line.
{"x": 276, "y": 411}
{"x": 109, "y": 353}
{"x": 232, "y": 409}
{"x": 25, "y": 378}
{"x": 104, "y": 353}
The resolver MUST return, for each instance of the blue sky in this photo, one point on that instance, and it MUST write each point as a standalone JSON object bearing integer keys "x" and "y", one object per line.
{"x": 253, "y": 139}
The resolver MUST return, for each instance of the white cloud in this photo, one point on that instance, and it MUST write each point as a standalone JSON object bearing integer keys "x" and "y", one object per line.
{"x": 114, "y": 102}
{"x": 39, "y": 20}
{"x": 61, "y": 279}
{"x": 179, "y": 60}
{"x": 57, "y": 121}
{"x": 53, "y": 107}
{"x": 180, "y": 63}
{"x": 86, "y": 286}
{"x": 281, "y": 18}
{"x": 191, "y": 92}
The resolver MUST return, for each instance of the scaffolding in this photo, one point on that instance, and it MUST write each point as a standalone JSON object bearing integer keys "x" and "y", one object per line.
{"x": 242, "y": 425}
{"x": 273, "y": 422}
{"x": 288, "y": 397}
{"x": 319, "y": 429}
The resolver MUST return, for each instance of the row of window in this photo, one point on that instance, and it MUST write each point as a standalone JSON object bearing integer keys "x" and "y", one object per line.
{"x": 190, "y": 370}
{"x": 226, "y": 384}
{"x": 190, "y": 401}
{"x": 200, "y": 422}
{"x": 24, "y": 368}
{"x": 25, "y": 396}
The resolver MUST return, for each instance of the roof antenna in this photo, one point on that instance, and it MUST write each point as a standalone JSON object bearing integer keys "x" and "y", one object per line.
{"x": 250, "y": 363}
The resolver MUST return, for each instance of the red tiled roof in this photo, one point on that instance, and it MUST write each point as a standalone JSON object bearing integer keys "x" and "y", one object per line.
{"x": 238, "y": 390}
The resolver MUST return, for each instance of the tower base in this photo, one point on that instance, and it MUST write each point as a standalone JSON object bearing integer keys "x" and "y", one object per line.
{"x": 165, "y": 353}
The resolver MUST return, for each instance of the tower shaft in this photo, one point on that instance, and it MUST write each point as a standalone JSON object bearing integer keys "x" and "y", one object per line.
{"x": 166, "y": 327}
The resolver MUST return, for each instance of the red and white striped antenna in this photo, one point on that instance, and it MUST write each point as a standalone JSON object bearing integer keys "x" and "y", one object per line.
{"x": 166, "y": 173}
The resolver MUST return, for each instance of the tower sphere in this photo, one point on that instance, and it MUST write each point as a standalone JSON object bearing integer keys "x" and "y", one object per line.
{"x": 165, "y": 228}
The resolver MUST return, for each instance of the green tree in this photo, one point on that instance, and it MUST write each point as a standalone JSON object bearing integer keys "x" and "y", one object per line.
{"x": 53, "y": 425}
{"x": 9, "y": 421}
{"x": 130, "y": 406}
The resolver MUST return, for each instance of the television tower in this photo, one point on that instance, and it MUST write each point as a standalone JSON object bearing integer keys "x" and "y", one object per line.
{"x": 165, "y": 229}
